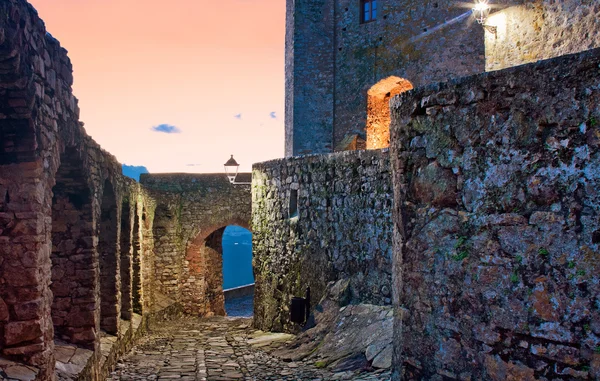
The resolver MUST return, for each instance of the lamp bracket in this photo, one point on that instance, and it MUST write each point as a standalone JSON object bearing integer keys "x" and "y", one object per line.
{"x": 492, "y": 29}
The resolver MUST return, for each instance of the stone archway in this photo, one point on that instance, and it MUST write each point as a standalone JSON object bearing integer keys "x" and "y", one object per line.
{"x": 378, "y": 110}
{"x": 201, "y": 282}
{"x": 189, "y": 208}
{"x": 108, "y": 247}
{"x": 74, "y": 274}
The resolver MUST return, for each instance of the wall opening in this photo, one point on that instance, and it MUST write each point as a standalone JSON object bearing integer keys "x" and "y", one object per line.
{"x": 238, "y": 276}
{"x": 126, "y": 260}
{"x": 202, "y": 274}
{"x": 293, "y": 207}
{"x": 378, "y": 110}
{"x": 136, "y": 263}
{"x": 109, "y": 267}
{"x": 74, "y": 271}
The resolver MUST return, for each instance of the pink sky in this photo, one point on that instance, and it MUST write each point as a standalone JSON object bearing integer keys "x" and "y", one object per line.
{"x": 193, "y": 64}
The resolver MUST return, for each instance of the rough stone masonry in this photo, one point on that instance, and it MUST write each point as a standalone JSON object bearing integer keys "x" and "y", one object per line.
{"x": 318, "y": 219}
{"x": 333, "y": 58}
{"x": 497, "y": 225}
{"x": 496, "y": 229}
{"x": 78, "y": 278}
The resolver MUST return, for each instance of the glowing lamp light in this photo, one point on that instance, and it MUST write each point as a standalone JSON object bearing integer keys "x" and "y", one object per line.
{"x": 481, "y": 11}
{"x": 231, "y": 169}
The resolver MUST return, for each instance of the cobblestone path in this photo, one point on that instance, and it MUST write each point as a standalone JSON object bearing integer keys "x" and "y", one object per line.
{"x": 218, "y": 349}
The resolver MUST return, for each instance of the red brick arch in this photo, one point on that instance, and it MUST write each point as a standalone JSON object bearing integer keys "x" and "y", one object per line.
{"x": 202, "y": 274}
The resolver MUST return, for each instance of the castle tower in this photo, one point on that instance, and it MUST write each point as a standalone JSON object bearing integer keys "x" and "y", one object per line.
{"x": 337, "y": 50}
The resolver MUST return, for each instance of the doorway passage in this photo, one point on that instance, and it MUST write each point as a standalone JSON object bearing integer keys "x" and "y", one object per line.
{"x": 238, "y": 277}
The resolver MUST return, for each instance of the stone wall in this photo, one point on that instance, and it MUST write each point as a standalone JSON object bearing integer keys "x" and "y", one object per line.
{"x": 405, "y": 41}
{"x": 61, "y": 211}
{"x": 317, "y": 219}
{"x": 497, "y": 224}
{"x": 528, "y": 31}
{"x": 191, "y": 213}
{"x": 78, "y": 239}
{"x": 332, "y": 60}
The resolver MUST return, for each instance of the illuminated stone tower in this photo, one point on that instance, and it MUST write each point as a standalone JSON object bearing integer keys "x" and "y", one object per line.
{"x": 337, "y": 50}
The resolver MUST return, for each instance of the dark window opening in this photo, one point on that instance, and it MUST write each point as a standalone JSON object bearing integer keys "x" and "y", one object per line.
{"x": 368, "y": 11}
{"x": 293, "y": 210}
{"x": 5, "y": 202}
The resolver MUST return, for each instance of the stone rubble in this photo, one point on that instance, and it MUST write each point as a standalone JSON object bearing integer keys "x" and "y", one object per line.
{"x": 221, "y": 349}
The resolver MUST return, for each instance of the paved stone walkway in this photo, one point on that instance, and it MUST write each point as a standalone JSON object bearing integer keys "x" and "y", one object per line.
{"x": 219, "y": 349}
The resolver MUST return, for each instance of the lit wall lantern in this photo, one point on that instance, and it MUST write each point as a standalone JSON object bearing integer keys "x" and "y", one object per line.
{"x": 231, "y": 170}
{"x": 481, "y": 11}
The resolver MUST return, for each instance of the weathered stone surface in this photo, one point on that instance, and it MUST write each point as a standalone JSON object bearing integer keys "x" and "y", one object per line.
{"x": 531, "y": 31}
{"x": 59, "y": 230}
{"x": 20, "y": 373}
{"x": 191, "y": 213}
{"x": 333, "y": 59}
{"x": 318, "y": 219}
{"x": 221, "y": 349}
{"x": 21, "y": 331}
{"x": 435, "y": 185}
{"x": 345, "y": 338}
{"x": 384, "y": 359}
{"x": 503, "y": 284}
{"x": 3, "y": 311}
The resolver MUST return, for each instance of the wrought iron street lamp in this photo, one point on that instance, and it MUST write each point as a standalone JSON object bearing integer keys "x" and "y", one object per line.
{"x": 231, "y": 170}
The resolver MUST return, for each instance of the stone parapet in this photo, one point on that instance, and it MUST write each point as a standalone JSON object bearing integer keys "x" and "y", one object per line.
{"x": 496, "y": 188}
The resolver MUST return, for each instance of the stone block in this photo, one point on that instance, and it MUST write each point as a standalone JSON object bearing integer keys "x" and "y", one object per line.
{"x": 30, "y": 310}
{"x": 3, "y": 311}
{"x": 22, "y": 331}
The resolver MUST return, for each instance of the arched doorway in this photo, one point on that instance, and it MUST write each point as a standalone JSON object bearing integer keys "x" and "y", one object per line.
{"x": 201, "y": 282}
{"x": 378, "y": 110}
{"x": 238, "y": 277}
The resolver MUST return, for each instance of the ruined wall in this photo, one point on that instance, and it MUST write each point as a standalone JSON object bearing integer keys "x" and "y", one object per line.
{"x": 60, "y": 210}
{"x": 528, "y": 31}
{"x": 496, "y": 258}
{"x": 191, "y": 209}
{"x": 332, "y": 60}
{"x": 318, "y": 219}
